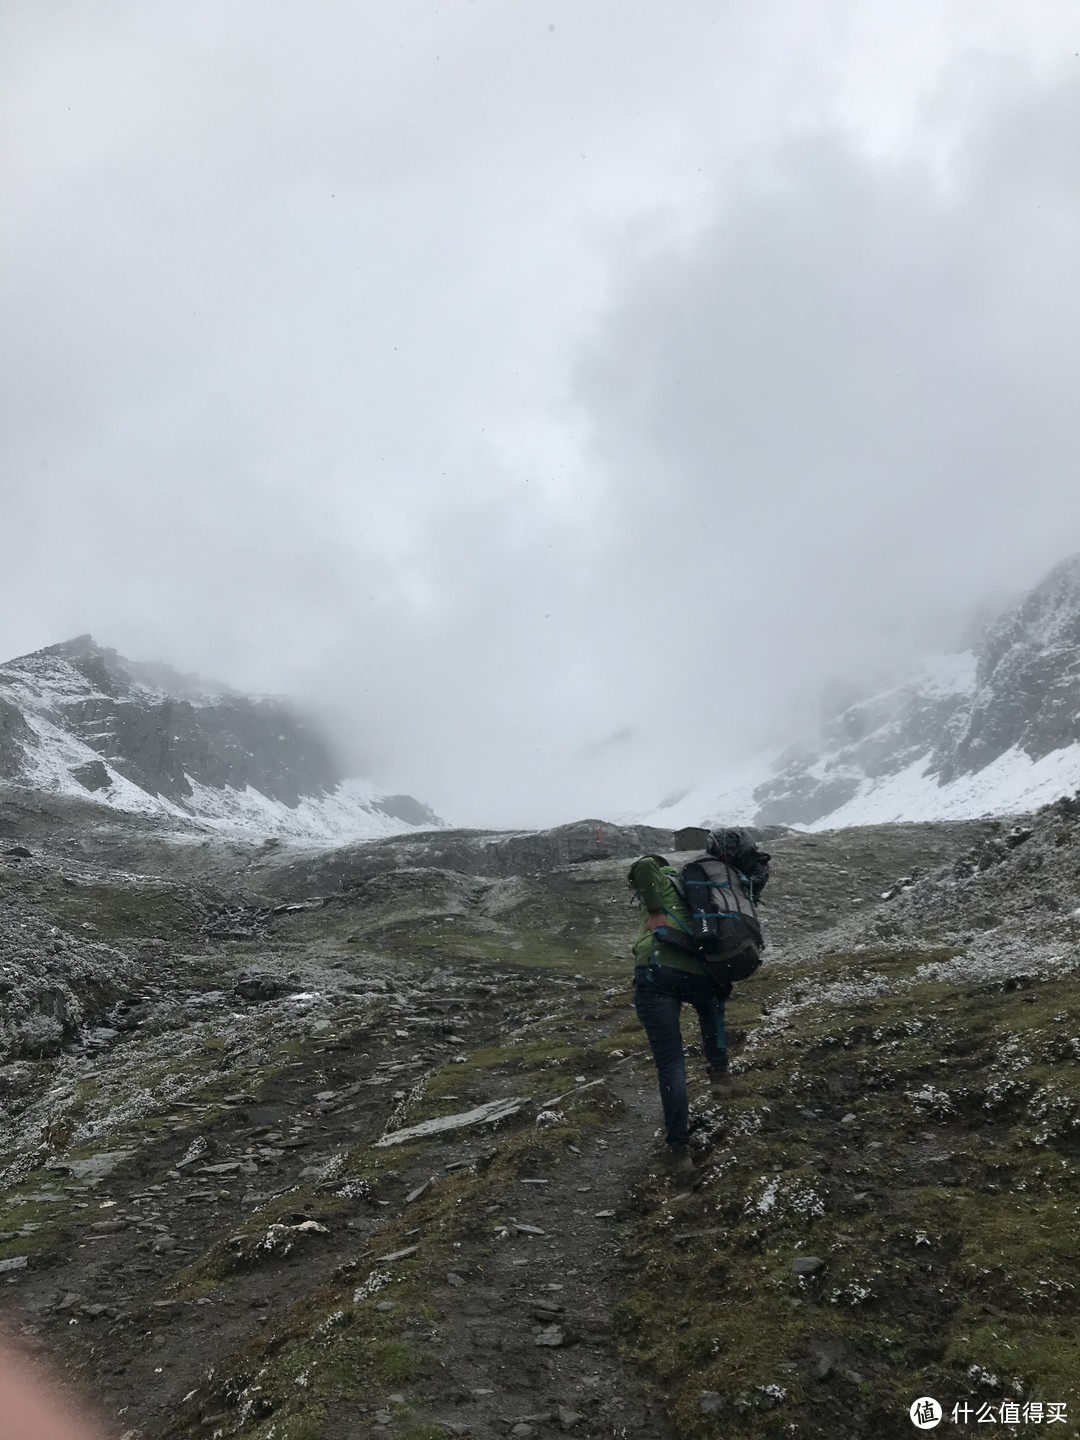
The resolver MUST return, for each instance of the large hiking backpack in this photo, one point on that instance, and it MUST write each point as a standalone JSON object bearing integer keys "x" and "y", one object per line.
{"x": 720, "y": 891}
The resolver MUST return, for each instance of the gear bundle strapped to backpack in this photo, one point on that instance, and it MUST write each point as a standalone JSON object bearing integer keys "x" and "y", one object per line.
{"x": 719, "y": 891}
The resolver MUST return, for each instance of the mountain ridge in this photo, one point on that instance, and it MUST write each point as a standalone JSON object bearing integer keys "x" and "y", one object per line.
{"x": 81, "y": 719}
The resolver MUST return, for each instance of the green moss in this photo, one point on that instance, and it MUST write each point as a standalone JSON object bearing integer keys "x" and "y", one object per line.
{"x": 532, "y": 949}
{"x": 309, "y": 1424}
{"x": 124, "y": 911}
{"x": 1043, "y": 1354}
{"x": 242, "y": 1248}
{"x": 53, "y": 1221}
{"x": 392, "y": 1362}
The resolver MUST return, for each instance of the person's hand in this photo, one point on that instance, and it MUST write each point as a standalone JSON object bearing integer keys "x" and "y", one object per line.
{"x": 33, "y": 1409}
{"x": 655, "y": 919}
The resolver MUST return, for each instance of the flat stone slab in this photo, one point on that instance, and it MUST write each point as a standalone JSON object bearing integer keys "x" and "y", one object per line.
{"x": 96, "y": 1167}
{"x": 488, "y": 1114}
{"x": 397, "y": 1254}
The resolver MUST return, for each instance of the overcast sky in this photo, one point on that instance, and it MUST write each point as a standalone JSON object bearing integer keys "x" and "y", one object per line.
{"x": 556, "y": 394}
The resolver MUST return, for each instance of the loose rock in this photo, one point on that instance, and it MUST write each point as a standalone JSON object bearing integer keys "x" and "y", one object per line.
{"x": 551, "y": 1337}
{"x": 807, "y": 1264}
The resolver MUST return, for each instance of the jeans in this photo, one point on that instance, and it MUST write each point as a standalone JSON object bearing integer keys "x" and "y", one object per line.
{"x": 659, "y": 994}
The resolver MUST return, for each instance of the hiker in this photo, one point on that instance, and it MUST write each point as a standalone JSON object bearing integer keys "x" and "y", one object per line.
{"x": 665, "y": 978}
{"x": 668, "y": 975}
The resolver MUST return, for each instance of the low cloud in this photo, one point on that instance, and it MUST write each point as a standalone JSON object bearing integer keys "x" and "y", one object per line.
{"x": 843, "y": 413}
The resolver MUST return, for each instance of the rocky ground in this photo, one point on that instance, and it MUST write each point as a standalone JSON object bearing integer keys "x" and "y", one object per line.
{"x": 362, "y": 1144}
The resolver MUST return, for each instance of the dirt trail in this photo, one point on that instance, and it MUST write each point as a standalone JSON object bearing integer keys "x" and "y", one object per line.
{"x": 521, "y": 1334}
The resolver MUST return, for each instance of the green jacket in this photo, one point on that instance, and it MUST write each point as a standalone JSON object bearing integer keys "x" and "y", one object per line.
{"x": 651, "y": 882}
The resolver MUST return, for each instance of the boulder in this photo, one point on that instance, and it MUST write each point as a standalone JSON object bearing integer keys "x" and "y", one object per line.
{"x": 94, "y": 775}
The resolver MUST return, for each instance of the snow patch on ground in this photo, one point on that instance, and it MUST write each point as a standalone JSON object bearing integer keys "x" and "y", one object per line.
{"x": 840, "y": 995}
{"x": 1012, "y": 784}
{"x": 1009, "y": 785}
{"x": 345, "y": 814}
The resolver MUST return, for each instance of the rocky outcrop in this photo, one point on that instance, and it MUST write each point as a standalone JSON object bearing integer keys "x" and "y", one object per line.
{"x": 404, "y": 807}
{"x": 94, "y": 775}
{"x": 574, "y": 844}
{"x": 53, "y": 983}
{"x": 490, "y": 854}
{"x": 15, "y": 736}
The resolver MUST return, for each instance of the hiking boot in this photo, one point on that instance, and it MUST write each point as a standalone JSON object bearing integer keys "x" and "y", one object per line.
{"x": 678, "y": 1161}
{"x": 721, "y": 1085}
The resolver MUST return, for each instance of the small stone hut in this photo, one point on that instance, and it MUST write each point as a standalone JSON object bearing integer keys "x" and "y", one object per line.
{"x": 691, "y": 837}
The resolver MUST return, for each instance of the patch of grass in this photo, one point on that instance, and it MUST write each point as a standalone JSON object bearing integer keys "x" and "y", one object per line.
{"x": 309, "y": 1424}
{"x": 344, "y": 1351}
{"x": 439, "y": 941}
{"x": 125, "y": 910}
{"x": 539, "y": 1067}
{"x": 392, "y": 1362}
{"x": 241, "y": 1249}
{"x": 54, "y": 1224}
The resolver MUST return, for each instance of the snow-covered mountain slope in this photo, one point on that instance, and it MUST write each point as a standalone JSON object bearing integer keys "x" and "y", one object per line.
{"x": 990, "y": 731}
{"x": 78, "y": 719}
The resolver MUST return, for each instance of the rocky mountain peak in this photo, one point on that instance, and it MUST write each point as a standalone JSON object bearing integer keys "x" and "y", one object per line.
{"x": 113, "y": 674}
{"x": 1028, "y": 679}
{"x": 992, "y": 730}
{"x": 79, "y": 718}
{"x": 1048, "y": 617}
